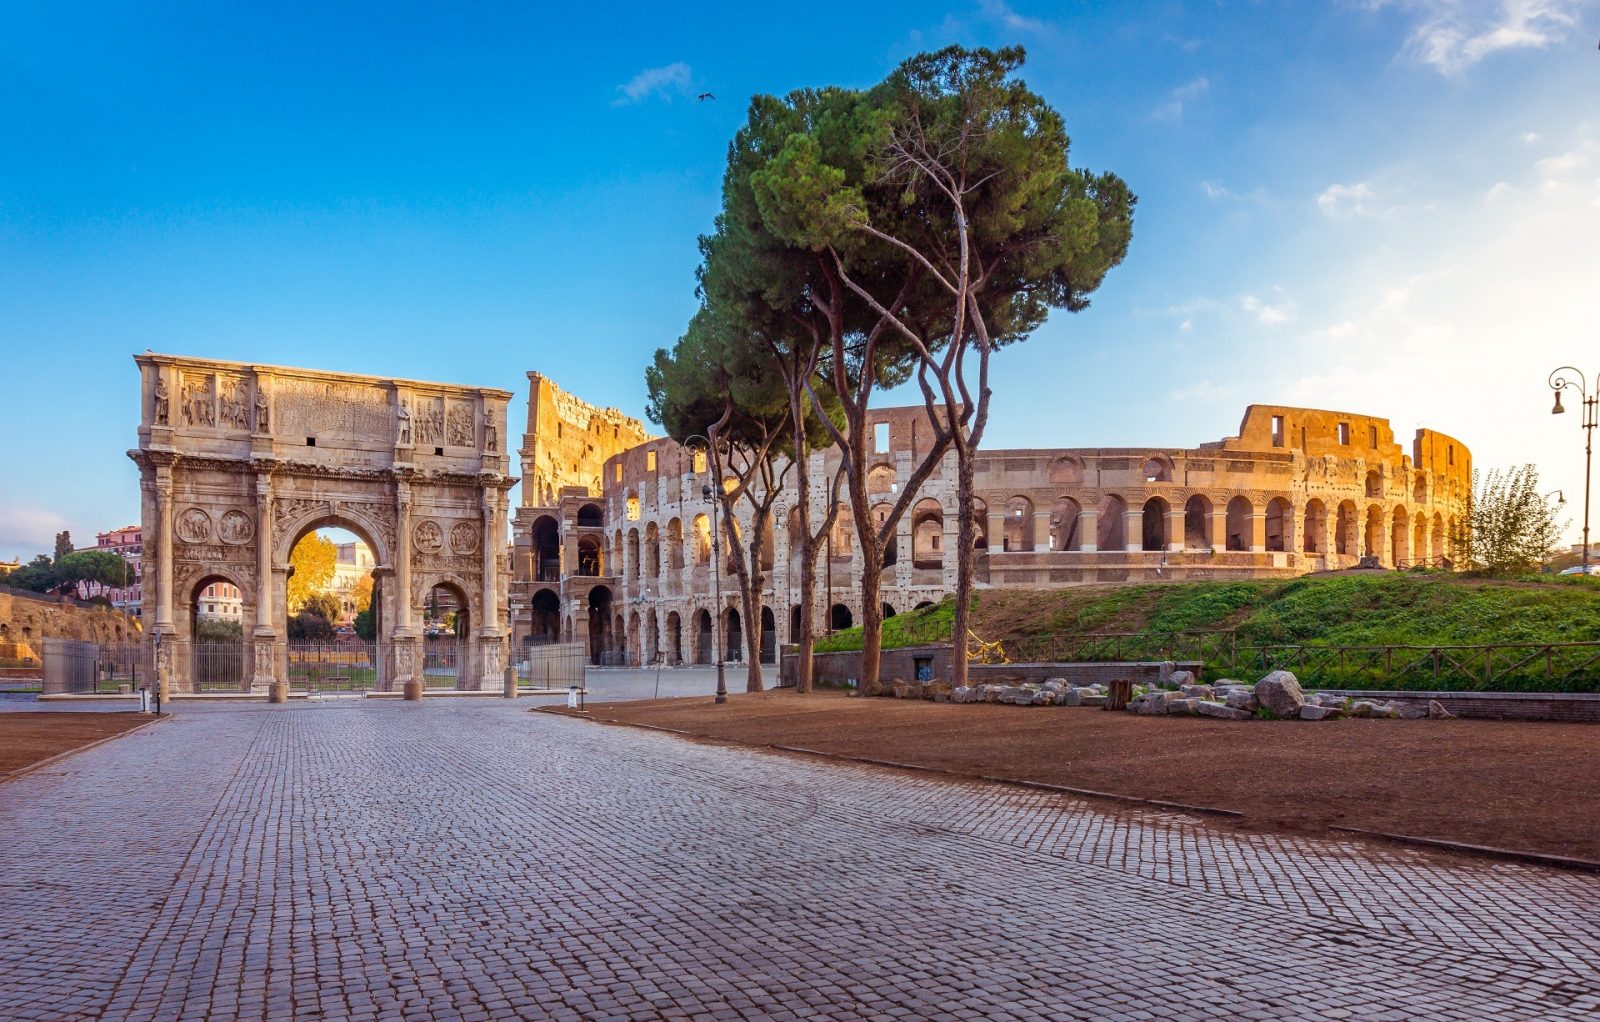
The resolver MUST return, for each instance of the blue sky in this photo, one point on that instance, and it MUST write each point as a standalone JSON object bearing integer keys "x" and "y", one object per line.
{"x": 1388, "y": 207}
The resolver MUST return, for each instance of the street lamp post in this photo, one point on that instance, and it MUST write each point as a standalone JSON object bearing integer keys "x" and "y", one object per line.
{"x": 716, "y": 564}
{"x": 1590, "y": 402}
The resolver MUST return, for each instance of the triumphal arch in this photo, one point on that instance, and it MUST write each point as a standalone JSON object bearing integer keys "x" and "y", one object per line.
{"x": 239, "y": 461}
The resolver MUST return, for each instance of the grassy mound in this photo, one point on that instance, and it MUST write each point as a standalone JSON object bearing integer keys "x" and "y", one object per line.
{"x": 1367, "y": 610}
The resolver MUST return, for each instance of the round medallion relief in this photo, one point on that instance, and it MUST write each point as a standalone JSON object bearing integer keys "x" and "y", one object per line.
{"x": 463, "y": 537}
{"x": 428, "y": 537}
{"x": 236, "y": 528}
{"x": 193, "y": 526}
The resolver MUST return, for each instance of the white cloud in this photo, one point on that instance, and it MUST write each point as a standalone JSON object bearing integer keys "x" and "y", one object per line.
{"x": 1186, "y": 326}
{"x": 675, "y": 79}
{"x": 999, "y": 11}
{"x": 1270, "y": 315}
{"x": 27, "y": 529}
{"x": 1348, "y": 200}
{"x": 1172, "y": 109}
{"x": 1452, "y": 35}
{"x": 1529, "y": 137}
{"x": 1499, "y": 190}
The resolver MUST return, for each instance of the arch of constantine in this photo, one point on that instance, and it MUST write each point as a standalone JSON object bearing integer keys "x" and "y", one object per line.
{"x": 613, "y": 549}
{"x": 239, "y": 461}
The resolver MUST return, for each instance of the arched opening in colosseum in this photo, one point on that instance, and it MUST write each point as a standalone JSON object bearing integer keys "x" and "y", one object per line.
{"x": 216, "y": 637}
{"x": 675, "y": 544}
{"x": 1238, "y": 523}
{"x": 842, "y": 537}
{"x": 546, "y": 550}
{"x": 1400, "y": 537}
{"x": 632, "y": 557}
{"x": 888, "y": 611}
{"x": 730, "y": 562}
{"x": 927, "y": 534}
{"x": 566, "y": 628}
{"x": 794, "y": 623}
{"x": 599, "y": 623}
{"x": 733, "y": 635}
{"x": 1316, "y": 524}
{"x": 1197, "y": 522}
{"x": 652, "y": 551}
{"x": 652, "y": 651}
{"x": 1064, "y": 520}
{"x": 1419, "y": 538}
{"x": 635, "y": 648}
{"x": 1344, "y": 533}
{"x": 1153, "y": 527}
{"x": 924, "y": 605}
{"x": 702, "y": 539}
{"x": 1019, "y": 525}
{"x": 839, "y": 617}
{"x": 980, "y": 524}
{"x": 769, "y": 636}
{"x": 619, "y": 646}
{"x": 891, "y": 550}
{"x": 880, "y": 480}
{"x": 1374, "y": 483}
{"x": 632, "y": 508}
{"x": 1066, "y": 471}
{"x": 1156, "y": 469}
{"x": 1111, "y": 519}
{"x": 618, "y": 565}
{"x": 1439, "y": 537}
{"x": 1280, "y": 525}
{"x": 1372, "y": 542}
{"x": 703, "y": 637}
{"x": 797, "y": 532}
{"x": 546, "y": 618}
{"x": 591, "y": 517}
{"x": 1419, "y": 492}
{"x": 588, "y": 557}
{"x": 674, "y": 637}
{"x": 769, "y": 542}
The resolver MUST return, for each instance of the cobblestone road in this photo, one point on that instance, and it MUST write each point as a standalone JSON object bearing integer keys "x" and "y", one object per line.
{"x": 468, "y": 860}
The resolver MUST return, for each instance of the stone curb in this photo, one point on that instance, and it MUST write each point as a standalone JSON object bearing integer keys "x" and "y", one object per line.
{"x": 1488, "y": 851}
{"x": 58, "y": 757}
{"x": 1442, "y": 844}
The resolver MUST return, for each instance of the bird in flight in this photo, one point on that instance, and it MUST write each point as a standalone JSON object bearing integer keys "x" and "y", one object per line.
{"x": 704, "y": 96}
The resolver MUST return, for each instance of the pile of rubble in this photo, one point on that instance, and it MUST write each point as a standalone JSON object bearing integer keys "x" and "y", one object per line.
{"x": 1277, "y": 696}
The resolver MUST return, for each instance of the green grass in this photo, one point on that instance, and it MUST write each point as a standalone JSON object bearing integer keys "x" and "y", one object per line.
{"x": 1415, "y": 609}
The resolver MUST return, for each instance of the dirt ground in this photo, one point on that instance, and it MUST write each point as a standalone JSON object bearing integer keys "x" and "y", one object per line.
{"x": 26, "y": 738}
{"x": 1531, "y": 787}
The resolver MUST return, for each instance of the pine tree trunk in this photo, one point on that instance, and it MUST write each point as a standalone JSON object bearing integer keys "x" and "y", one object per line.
{"x": 966, "y": 534}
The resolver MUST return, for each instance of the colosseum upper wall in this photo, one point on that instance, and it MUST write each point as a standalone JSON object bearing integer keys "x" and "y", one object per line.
{"x": 627, "y": 569}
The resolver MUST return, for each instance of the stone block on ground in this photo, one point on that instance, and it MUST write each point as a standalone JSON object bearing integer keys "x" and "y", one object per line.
{"x": 899, "y": 689}
{"x": 1198, "y": 692}
{"x": 1242, "y": 699}
{"x": 1279, "y": 692}
{"x": 1096, "y": 700}
{"x": 1222, "y": 711}
{"x": 1413, "y": 711}
{"x": 1181, "y": 679}
{"x": 1071, "y": 697}
{"x": 874, "y": 688}
{"x": 938, "y": 691}
{"x": 1436, "y": 711}
{"x": 1316, "y": 711}
{"x": 1181, "y": 707}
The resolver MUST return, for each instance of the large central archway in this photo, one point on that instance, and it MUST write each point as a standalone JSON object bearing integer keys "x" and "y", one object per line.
{"x": 239, "y": 461}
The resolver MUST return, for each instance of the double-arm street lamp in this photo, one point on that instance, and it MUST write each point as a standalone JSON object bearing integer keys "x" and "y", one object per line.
{"x": 707, "y": 492}
{"x": 1590, "y": 402}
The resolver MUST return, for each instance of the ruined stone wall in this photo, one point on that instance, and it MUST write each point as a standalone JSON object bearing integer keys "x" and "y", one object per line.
{"x": 568, "y": 442}
{"x": 25, "y": 618}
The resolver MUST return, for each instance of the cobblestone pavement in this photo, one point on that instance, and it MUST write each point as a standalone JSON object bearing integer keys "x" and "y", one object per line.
{"x": 468, "y": 860}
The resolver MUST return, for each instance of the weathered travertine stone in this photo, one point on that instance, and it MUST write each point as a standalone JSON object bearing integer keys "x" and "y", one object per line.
{"x": 1279, "y": 692}
{"x": 1222, "y": 711}
{"x": 1436, "y": 711}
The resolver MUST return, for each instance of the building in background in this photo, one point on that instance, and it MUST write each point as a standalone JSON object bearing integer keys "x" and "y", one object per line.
{"x": 620, "y": 560}
{"x": 127, "y": 543}
{"x": 352, "y": 563}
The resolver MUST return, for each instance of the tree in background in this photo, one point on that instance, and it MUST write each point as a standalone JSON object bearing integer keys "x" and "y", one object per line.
{"x": 100, "y": 566}
{"x": 366, "y": 625}
{"x": 361, "y": 594}
{"x": 1509, "y": 527}
{"x": 37, "y": 576}
{"x": 313, "y": 561}
{"x": 63, "y": 544}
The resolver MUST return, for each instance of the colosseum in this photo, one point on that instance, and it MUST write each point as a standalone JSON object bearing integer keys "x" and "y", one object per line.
{"x": 612, "y": 541}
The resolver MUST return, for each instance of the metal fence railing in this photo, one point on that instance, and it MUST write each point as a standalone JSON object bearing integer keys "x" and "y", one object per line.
{"x": 551, "y": 665}
{"x": 217, "y": 667}
{"x": 71, "y": 667}
{"x": 441, "y": 663}
{"x": 333, "y": 667}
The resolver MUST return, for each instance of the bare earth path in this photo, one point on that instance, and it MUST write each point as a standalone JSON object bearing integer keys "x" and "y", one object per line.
{"x": 469, "y": 860}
